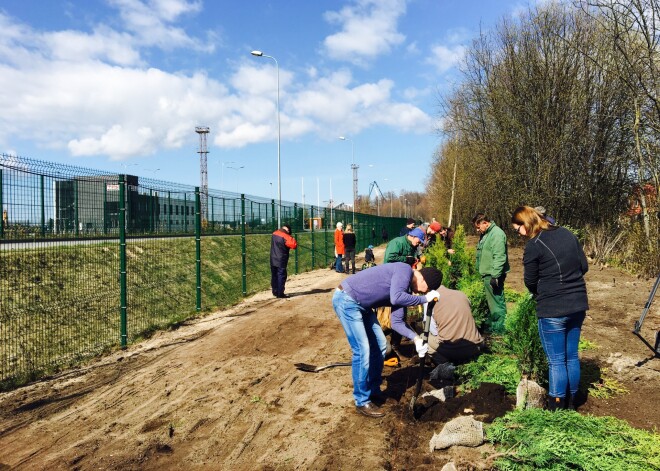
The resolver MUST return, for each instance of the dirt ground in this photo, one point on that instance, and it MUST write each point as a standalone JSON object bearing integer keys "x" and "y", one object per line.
{"x": 222, "y": 393}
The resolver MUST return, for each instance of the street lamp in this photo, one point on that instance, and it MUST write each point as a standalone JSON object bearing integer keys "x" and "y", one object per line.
{"x": 279, "y": 178}
{"x": 237, "y": 169}
{"x": 354, "y": 168}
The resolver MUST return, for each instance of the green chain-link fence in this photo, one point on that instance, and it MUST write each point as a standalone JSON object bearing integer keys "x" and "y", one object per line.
{"x": 92, "y": 260}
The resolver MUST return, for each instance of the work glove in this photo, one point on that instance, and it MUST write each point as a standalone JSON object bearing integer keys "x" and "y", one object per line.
{"x": 431, "y": 295}
{"x": 421, "y": 347}
{"x": 494, "y": 283}
{"x": 410, "y": 260}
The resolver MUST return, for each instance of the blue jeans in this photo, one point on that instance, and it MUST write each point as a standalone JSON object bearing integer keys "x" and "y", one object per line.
{"x": 560, "y": 337}
{"x": 338, "y": 266}
{"x": 367, "y": 342}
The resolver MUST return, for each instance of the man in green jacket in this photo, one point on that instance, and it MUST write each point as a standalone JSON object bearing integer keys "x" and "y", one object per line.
{"x": 493, "y": 265}
{"x": 404, "y": 248}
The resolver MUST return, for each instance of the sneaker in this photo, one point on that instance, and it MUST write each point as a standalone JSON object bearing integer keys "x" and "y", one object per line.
{"x": 370, "y": 410}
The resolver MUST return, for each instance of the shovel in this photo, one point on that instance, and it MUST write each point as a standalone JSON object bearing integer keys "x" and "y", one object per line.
{"x": 425, "y": 338}
{"x": 315, "y": 369}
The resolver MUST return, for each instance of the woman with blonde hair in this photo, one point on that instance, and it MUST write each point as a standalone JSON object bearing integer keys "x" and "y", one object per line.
{"x": 349, "y": 247}
{"x": 554, "y": 267}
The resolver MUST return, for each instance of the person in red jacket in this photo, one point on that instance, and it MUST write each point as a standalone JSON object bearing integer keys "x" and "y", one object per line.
{"x": 280, "y": 245}
{"x": 339, "y": 247}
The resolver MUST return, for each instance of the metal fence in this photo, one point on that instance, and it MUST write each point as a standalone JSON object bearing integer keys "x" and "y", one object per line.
{"x": 91, "y": 260}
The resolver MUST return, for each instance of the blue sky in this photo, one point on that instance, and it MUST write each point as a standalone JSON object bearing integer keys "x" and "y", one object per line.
{"x": 120, "y": 85}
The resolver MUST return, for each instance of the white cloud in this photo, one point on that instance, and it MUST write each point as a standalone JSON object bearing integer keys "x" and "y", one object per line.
{"x": 444, "y": 57}
{"x": 90, "y": 93}
{"x": 368, "y": 29}
{"x": 412, "y": 93}
{"x": 150, "y": 22}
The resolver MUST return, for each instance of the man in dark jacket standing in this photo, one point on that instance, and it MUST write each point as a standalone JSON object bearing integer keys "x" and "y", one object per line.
{"x": 280, "y": 245}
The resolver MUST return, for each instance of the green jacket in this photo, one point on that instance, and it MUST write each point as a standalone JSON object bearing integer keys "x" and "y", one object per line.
{"x": 492, "y": 254}
{"x": 398, "y": 249}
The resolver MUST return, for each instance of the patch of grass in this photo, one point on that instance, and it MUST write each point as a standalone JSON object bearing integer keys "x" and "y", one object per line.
{"x": 61, "y": 303}
{"x": 606, "y": 387}
{"x": 585, "y": 344}
{"x": 535, "y": 439}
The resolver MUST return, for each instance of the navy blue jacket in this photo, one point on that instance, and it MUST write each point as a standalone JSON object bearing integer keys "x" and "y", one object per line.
{"x": 279, "y": 248}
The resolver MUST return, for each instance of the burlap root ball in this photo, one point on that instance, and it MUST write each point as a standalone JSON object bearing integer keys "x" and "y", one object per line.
{"x": 529, "y": 395}
{"x": 463, "y": 431}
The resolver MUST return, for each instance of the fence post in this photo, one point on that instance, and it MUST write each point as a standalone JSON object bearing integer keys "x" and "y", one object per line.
{"x": 273, "y": 218}
{"x": 243, "y": 254}
{"x": 105, "y": 205}
{"x": 198, "y": 248}
{"x": 2, "y": 210}
{"x": 122, "y": 264}
{"x": 169, "y": 212}
{"x": 43, "y": 209}
{"x": 212, "y": 215}
{"x": 185, "y": 212}
{"x": 152, "y": 222}
{"x": 75, "y": 206}
{"x": 311, "y": 228}
{"x": 325, "y": 234}
{"x": 2, "y": 216}
{"x": 294, "y": 225}
{"x": 222, "y": 221}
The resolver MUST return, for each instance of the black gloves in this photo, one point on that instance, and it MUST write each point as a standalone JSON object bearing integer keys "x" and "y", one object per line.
{"x": 494, "y": 283}
{"x": 410, "y": 260}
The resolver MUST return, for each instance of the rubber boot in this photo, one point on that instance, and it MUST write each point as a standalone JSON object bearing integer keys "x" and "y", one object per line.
{"x": 570, "y": 405}
{"x": 556, "y": 403}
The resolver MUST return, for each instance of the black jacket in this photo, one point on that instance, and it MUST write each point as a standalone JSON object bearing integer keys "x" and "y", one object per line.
{"x": 349, "y": 241}
{"x": 555, "y": 265}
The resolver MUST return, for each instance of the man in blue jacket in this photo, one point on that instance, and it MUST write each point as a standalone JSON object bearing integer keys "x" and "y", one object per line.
{"x": 280, "y": 245}
{"x": 354, "y": 302}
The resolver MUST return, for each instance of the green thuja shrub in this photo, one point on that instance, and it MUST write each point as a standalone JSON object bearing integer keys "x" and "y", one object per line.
{"x": 534, "y": 439}
{"x": 436, "y": 256}
{"x": 476, "y": 293}
{"x": 455, "y": 267}
{"x": 490, "y": 368}
{"x": 521, "y": 338}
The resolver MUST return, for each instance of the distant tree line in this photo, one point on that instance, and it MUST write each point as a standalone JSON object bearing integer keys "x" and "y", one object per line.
{"x": 560, "y": 108}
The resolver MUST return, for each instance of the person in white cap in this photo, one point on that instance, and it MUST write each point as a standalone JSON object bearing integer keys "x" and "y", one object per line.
{"x": 339, "y": 247}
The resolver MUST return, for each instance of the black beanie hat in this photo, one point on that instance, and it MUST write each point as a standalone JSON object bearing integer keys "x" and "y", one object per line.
{"x": 432, "y": 276}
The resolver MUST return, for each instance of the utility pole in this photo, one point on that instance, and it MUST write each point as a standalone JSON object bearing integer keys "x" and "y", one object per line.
{"x": 203, "y": 172}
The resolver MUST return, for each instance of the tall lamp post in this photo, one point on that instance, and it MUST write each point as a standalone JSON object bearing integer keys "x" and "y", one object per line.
{"x": 279, "y": 179}
{"x": 355, "y": 176}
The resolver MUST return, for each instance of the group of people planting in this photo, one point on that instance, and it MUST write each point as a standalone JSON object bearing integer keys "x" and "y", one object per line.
{"x": 554, "y": 267}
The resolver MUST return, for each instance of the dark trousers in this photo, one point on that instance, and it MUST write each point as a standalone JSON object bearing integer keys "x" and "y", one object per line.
{"x": 349, "y": 256}
{"x": 277, "y": 280}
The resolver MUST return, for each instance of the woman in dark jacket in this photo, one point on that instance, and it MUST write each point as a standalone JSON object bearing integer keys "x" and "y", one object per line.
{"x": 349, "y": 247}
{"x": 554, "y": 267}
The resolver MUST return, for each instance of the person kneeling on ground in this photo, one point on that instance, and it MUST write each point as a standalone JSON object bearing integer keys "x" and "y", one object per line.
{"x": 454, "y": 336}
{"x": 354, "y": 302}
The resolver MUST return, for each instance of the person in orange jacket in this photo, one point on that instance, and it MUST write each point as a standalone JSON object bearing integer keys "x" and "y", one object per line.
{"x": 280, "y": 245}
{"x": 339, "y": 247}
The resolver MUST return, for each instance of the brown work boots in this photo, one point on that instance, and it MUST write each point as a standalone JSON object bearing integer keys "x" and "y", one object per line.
{"x": 370, "y": 410}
